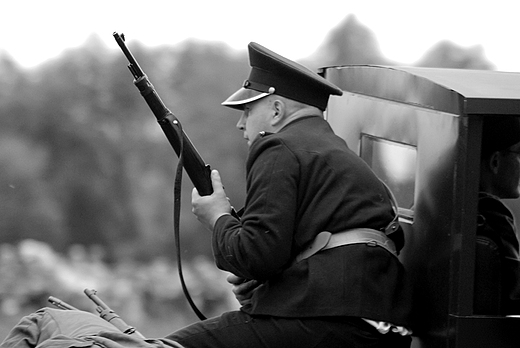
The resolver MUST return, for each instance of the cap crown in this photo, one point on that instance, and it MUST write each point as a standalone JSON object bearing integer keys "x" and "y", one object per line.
{"x": 272, "y": 73}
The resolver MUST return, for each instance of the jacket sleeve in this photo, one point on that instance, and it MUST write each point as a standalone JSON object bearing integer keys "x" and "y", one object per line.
{"x": 260, "y": 244}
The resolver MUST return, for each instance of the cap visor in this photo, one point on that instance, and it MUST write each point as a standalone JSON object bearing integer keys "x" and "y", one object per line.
{"x": 243, "y": 96}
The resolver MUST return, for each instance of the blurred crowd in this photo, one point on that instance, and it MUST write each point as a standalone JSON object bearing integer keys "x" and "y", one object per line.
{"x": 148, "y": 296}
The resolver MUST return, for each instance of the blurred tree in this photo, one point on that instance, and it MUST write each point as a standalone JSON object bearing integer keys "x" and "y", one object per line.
{"x": 353, "y": 43}
{"x": 446, "y": 54}
{"x": 350, "y": 42}
{"x": 87, "y": 163}
{"x": 27, "y": 208}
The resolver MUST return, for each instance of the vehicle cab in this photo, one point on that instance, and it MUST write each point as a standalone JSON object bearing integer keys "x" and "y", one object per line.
{"x": 420, "y": 131}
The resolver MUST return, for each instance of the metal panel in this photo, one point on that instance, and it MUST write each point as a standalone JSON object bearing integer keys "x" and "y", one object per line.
{"x": 395, "y": 85}
{"x": 458, "y": 91}
{"x": 428, "y": 245}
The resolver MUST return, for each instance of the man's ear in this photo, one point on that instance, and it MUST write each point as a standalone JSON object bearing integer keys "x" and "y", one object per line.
{"x": 278, "y": 109}
{"x": 494, "y": 162}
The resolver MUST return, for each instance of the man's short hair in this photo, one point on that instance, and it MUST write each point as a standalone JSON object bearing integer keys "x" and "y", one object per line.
{"x": 499, "y": 132}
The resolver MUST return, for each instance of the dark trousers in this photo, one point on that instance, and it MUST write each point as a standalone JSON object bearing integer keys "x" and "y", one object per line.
{"x": 238, "y": 329}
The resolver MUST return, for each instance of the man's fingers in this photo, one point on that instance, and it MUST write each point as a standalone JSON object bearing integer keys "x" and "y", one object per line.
{"x": 234, "y": 279}
{"x": 194, "y": 194}
{"x": 216, "y": 181}
{"x": 245, "y": 288}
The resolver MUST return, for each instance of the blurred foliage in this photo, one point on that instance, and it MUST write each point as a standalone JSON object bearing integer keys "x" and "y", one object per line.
{"x": 83, "y": 160}
{"x": 350, "y": 42}
{"x": 85, "y": 169}
{"x": 148, "y": 296}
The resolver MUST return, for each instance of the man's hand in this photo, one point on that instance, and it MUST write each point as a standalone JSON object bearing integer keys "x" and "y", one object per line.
{"x": 209, "y": 208}
{"x": 243, "y": 288}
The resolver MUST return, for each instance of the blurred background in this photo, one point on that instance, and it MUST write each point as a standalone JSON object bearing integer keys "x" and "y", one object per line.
{"x": 86, "y": 174}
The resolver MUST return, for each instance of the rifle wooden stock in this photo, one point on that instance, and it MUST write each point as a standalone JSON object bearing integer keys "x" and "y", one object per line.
{"x": 197, "y": 170}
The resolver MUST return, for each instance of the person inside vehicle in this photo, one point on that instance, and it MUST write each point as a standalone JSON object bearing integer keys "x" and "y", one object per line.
{"x": 497, "y": 277}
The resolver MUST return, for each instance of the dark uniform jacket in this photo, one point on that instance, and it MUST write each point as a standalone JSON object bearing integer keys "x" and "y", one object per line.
{"x": 301, "y": 181}
{"x": 496, "y": 223}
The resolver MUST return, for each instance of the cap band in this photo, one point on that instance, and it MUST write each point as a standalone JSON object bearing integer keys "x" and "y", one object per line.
{"x": 258, "y": 87}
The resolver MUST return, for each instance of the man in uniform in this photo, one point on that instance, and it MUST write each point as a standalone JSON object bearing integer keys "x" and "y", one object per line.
{"x": 499, "y": 179}
{"x": 314, "y": 253}
{"x": 313, "y": 256}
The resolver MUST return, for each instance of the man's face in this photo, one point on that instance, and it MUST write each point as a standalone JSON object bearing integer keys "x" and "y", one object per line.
{"x": 508, "y": 172}
{"x": 256, "y": 118}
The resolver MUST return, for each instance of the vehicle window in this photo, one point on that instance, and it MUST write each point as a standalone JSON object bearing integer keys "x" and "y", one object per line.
{"x": 395, "y": 164}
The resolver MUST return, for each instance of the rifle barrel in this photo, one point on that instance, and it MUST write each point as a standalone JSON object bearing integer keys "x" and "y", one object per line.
{"x": 61, "y": 304}
{"x": 196, "y": 168}
{"x": 134, "y": 67}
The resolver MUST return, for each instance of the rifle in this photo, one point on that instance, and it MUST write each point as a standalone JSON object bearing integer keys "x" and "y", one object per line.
{"x": 195, "y": 167}
{"x": 197, "y": 170}
{"x": 109, "y": 315}
{"x": 104, "y": 312}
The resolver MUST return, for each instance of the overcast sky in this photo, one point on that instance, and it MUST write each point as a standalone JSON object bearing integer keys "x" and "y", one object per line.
{"x": 32, "y": 31}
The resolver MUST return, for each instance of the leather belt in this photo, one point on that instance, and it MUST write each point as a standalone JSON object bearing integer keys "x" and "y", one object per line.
{"x": 326, "y": 240}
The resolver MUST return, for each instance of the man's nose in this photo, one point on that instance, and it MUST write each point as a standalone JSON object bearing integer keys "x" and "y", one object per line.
{"x": 240, "y": 124}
